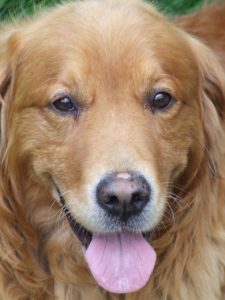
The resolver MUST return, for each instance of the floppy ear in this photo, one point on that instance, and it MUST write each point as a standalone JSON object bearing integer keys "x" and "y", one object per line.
{"x": 212, "y": 101}
{"x": 8, "y": 49}
{"x": 14, "y": 230}
{"x": 4, "y": 84}
{"x": 212, "y": 75}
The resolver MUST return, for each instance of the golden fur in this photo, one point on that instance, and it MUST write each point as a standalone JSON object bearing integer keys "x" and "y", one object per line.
{"x": 109, "y": 55}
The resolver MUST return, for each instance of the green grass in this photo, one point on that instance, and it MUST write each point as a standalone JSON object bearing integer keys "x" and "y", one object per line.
{"x": 20, "y": 8}
{"x": 178, "y": 7}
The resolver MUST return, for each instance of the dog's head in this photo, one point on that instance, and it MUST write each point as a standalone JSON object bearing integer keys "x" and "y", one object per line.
{"x": 108, "y": 107}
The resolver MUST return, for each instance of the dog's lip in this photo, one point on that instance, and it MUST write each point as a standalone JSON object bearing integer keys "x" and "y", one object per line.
{"x": 84, "y": 235}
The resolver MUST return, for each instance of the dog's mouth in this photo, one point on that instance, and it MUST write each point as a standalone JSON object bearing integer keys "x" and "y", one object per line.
{"x": 121, "y": 262}
{"x": 83, "y": 234}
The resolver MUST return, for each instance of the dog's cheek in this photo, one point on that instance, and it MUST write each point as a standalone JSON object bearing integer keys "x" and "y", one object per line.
{"x": 180, "y": 142}
{"x": 39, "y": 145}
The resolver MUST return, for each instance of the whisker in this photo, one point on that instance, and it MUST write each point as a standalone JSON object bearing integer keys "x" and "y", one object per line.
{"x": 212, "y": 165}
{"x": 172, "y": 213}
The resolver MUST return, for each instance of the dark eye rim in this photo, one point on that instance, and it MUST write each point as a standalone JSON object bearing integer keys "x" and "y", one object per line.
{"x": 71, "y": 111}
{"x": 152, "y": 96}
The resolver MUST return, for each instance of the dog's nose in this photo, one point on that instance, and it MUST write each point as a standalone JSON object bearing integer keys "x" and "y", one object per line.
{"x": 123, "y": 194}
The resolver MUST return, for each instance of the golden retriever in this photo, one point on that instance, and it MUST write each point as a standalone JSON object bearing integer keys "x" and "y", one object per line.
{"x": 113, "y": 154}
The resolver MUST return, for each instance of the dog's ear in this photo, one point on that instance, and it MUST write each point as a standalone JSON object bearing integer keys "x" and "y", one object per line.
{"x": 9, "y": 45}
{"x": 212, "y": 77}
{"x": 212, "y": 99}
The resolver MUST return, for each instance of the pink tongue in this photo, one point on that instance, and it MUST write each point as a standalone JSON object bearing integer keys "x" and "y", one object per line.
{"x": 120, "y": 262}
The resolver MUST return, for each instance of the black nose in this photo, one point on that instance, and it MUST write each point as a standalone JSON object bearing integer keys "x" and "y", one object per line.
{"x": 123, "y": 194}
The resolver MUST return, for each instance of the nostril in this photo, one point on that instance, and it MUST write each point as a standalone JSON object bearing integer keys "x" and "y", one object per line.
{"x": 136, "y": 197}
{"x": 136, "y": 201}
{"x": 139, "y": 200}
{"x": 111, "y": 200}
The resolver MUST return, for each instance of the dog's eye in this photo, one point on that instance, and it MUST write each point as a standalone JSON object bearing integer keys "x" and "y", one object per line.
{"x": 64, "y": 104}
{"x": 161, "y": 100}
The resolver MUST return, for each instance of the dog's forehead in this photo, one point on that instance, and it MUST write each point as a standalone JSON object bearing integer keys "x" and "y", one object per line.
{"x": 109, "y": 28}
{"x": 112, "y": 42}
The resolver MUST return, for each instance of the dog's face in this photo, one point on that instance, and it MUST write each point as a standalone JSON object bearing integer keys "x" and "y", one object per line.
{"x": 106, "y": 112}
{"x": 101, "y": 101}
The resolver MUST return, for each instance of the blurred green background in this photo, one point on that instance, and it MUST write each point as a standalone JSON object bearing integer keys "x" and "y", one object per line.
{"x": 19, "y": 8}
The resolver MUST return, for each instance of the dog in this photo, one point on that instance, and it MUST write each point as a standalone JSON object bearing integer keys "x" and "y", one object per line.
{"x": 113, "y": 154}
